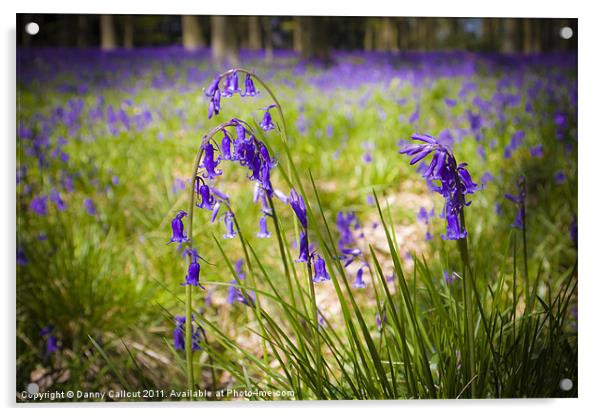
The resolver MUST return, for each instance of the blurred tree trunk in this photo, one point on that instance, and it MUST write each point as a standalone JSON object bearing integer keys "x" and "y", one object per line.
{"x": 314, "y": 39}
{"x": 223, "y": 39}
{"x": 82, "y": 31}
{"x": 297, "y": 34}
{"x": 192, "y": 35}
{"x": 388, "y": 35}
{"x": 403, "y": 34}
{"x": 254, "y": 33}
{"x": 510, "y": 28}
{"x": 266, "y": 23}
{"x": 369, "y": 35}
{"x": 107, "y": 32}
{"x": 128, "y": 31}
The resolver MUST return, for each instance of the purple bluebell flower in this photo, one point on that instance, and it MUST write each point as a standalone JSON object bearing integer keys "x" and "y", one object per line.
{"x": 415, "y": 115}
{"x": 537, "y": 151}
{"x": 359, "y": 281}
{"x": 450, "y": 102}
{"x": 519, "y": 200}
{"x": 321, "y": 274}
{"x": 267, "y": 124}
{"x": 179, "y": 334}
{"x": 303, "y": 247}
{"x": 380, "y": 321}
{"x": 90, "y": 207}
{"x": 58, "y": 201}
{"x": 178, "y": 185}
{"x": 51, "y": 339}
{"x": 448, "y": 277}
{"x": 207, "y": 199}
{"x": 263, "y": 228}
{"x": 21, "y": 257}
{"x": 229, "y": 223}
{"x": 177, "y": 229}
{"x": 214, "y": 104}
{"x": 424, "y": 215}
{"x": 209, "y": 162}
{"x": 194, "y": 269}
{"x": 298, "y": 205}
{"x": 231, "y": 85}
{"x": 560, "y": 177}
{"x": 250, "y": 90}
{"x": 226, "y": 143}
{"x": 346, "y": 222}
{"x": 39, "y": 205}
{"x": 486, "y": 178}
{"x": 515, "y": 142}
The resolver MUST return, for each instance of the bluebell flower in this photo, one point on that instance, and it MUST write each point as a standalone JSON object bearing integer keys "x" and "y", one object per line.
{"x": 226, "y": 144}
{"x": 209, "y": 162}
{"x": 39, "y": 205}
{"x": 231, "y": 85}
{"x": 321, "y": 274}
{"x": 298, "y": 205}
{"x": 229, "y": 223}
{"x": 560, "y": 177}
{"x": 250, "y": 90}
{"x": 51, "y": 339}
{"x": 179, "y": 334}
{"x": 177, "y": 229}
{"x": 519, "y": 200}
{"x": 263, "y": 228}
{"x": 90, "y": 207}
{"x": 359, "y": 281}
{"x": 537, "y": 151}
{"x": 21, "y": 257}
{"x": 192, "y": 277}
{"x": 303, "y": 247}
{"x": 207, "y": 200}
{"x": 267, "y": 123}
{"x": 58, "y": 201}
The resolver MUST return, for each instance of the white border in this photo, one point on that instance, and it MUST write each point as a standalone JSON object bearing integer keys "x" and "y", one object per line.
{"x": 590, "y": 176}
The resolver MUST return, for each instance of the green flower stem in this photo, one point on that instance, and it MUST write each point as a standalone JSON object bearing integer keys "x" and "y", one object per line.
{"x": 468, "y": 307}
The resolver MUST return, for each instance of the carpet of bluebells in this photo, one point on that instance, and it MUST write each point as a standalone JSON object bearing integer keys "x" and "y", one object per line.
{"x": 416, "y": 199}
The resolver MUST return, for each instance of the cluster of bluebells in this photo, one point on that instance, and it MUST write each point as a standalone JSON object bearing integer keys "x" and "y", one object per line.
{"x": 179, "y": 334}
{"x": 347, "y": 223}
{"x": 230, "y": 88}
{"x": 455, "y": 181}
{"x": 305, "y": 256}
{"x": 246, "y": 150}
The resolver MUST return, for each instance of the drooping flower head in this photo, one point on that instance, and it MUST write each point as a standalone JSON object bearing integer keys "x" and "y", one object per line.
{"x": 209, "y": 162}
{"x": 455, "y": 180}
{"x": 321, "y": 274}
{"x": 177, "y": 229}
{"x": 267, "y": 123}
{"x": 298, "y": 205}
{"x": 263, "y": 228}
{"x": 250, "y": 90}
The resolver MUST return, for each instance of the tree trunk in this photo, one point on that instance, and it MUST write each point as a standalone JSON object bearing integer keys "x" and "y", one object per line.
{"x": 82, "y": 30}
{"x": 297, "y": 34}
{"x": 192, "y": 36}
{"x": 128, "y": 31}
{"x": 254, "y": 33}
{"x": 223, "y": 39}
{"x": 266, "y": 23}
{"x": 107, "y": 32}
{"x": 509, "y": 35}
{"x": 314, "y": 39}
{"x": 369, "y": 35}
